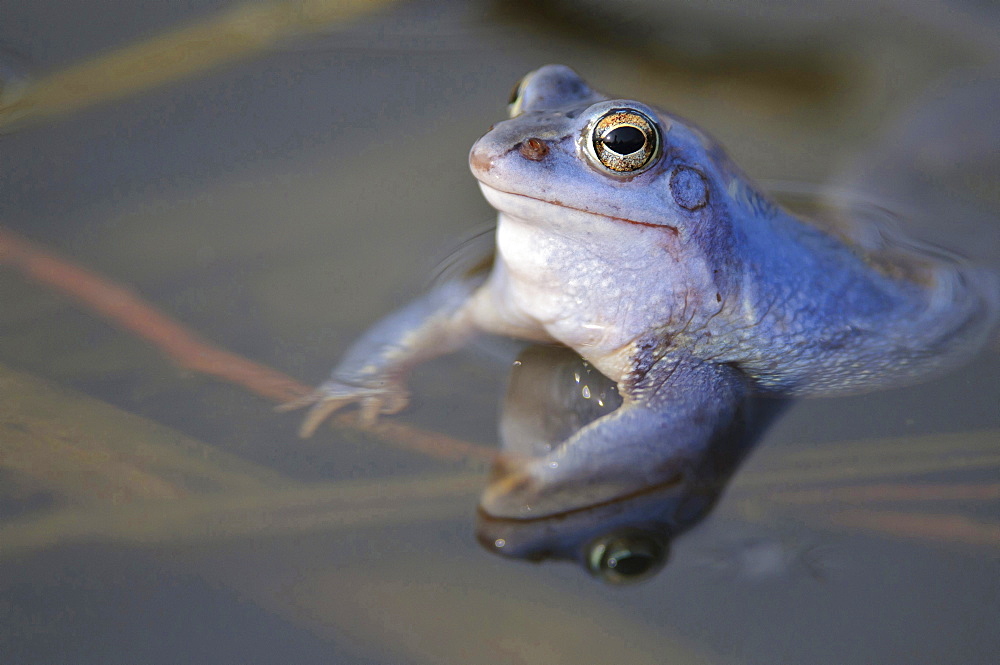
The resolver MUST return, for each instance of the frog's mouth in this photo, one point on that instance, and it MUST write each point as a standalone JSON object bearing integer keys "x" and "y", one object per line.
{"x": 524, "y": 206}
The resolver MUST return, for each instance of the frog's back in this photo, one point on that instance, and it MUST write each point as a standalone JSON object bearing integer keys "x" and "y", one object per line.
{"x": 884, "y": 311}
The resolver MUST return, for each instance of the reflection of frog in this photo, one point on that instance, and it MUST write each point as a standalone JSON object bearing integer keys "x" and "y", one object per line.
{"x": 627, "y": 235}
{"x": 551, "y": 395}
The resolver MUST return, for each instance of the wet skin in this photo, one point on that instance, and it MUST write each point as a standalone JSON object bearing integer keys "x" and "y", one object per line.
{"x": 627, "y": 235}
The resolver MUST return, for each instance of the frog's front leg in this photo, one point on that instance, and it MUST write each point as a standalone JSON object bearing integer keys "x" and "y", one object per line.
{"x": 372, "y": 372}
{"x": 656, "y": 437}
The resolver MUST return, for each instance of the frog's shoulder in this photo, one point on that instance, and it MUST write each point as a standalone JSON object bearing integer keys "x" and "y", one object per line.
{"x": 869, "y": 229}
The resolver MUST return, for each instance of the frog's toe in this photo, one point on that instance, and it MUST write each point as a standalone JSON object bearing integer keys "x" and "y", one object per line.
{"x": 370, "y": 409}
{"x": 384, "y": 403}
{"x": 332, "y": 396}
{"x": 322, "y": 409}
{"x": 299, "y": 402}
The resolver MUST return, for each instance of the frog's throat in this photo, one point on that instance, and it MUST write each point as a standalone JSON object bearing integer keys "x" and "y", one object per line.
{"x": 496, "y": 196}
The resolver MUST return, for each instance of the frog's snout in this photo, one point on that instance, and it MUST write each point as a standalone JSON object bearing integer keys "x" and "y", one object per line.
{"x": 486, "y": 154}
{"x": 480, "y": 159}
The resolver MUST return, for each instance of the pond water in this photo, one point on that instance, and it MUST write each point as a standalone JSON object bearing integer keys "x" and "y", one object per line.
{"x": 280, "y": 200}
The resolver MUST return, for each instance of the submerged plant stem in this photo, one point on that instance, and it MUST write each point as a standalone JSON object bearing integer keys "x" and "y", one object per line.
{"x": 131, "y": 313}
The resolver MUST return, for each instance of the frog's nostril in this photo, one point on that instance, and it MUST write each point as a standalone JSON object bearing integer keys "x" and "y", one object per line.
{"x": 533, "y": 149}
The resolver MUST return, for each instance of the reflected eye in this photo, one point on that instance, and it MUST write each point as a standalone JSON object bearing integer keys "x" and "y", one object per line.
{"x": 627, "y": 557}
{"x": 625, "y": 140}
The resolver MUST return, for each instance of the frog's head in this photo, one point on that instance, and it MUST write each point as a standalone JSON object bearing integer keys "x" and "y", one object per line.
{"x": 619, "y": 160}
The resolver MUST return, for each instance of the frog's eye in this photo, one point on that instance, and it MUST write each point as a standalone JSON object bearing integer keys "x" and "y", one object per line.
{"x": 627, "y": 557}
{"x": 625, "y": 140}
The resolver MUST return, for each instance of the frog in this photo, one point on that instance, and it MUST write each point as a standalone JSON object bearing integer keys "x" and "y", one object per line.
{"x": 627, "y": 234}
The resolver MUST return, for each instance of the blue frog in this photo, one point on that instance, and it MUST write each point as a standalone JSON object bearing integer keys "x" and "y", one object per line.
{"x": 628, "y": 235}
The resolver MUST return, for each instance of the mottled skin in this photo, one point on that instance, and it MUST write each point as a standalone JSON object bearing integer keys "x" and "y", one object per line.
{"x": 680, "y": 282}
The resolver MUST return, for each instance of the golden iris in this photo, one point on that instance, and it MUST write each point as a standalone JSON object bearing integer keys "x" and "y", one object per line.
{"x": 625, "y": 140}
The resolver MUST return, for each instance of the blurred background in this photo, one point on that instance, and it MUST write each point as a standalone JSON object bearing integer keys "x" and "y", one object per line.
{"x": 278, "y": 175}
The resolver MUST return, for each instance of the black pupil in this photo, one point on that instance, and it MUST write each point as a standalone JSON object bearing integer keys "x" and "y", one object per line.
{"x": 624, "y": 140}
{"x": 631, "y": 564}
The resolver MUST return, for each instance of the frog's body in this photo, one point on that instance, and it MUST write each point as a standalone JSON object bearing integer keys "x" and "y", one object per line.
{"x": 627, "y": 235}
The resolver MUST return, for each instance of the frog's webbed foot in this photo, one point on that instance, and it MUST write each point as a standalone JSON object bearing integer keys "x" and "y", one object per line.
{"x": 386, "y": 397}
